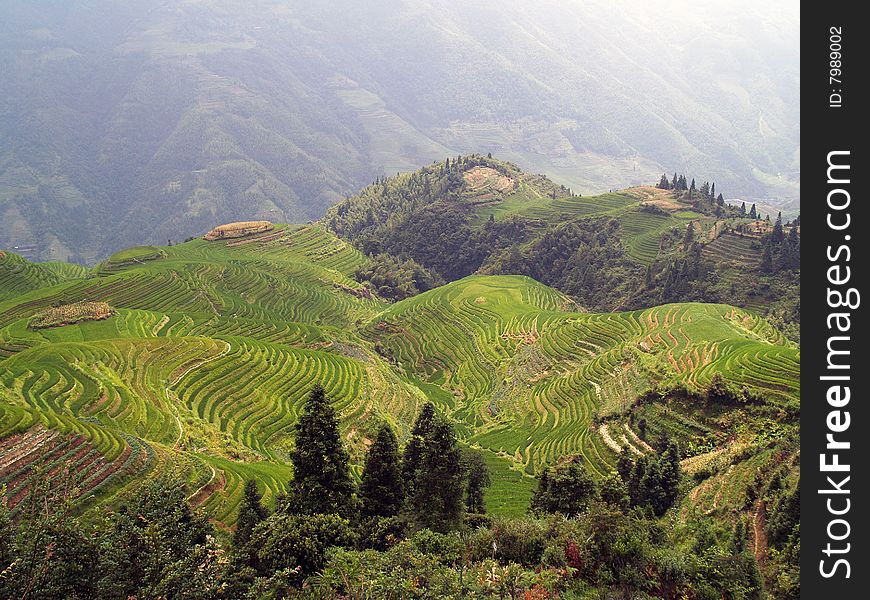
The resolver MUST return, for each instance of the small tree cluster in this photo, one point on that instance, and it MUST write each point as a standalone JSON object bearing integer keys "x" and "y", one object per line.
{"x": 781, "y": 251}
{"x": 653, "y": 479}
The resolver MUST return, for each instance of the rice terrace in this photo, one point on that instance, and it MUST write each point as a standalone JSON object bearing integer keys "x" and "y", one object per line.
{"x": 197, "y": 358}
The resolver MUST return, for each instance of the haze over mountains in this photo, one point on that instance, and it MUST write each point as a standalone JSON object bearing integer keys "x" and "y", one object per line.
{"x": 127, "y": 122}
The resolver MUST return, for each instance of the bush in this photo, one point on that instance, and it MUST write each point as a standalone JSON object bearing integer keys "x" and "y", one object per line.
{"x": 445, "y": 547}
{"x": 521, "y": 541}
{"x": 298, "y": 543}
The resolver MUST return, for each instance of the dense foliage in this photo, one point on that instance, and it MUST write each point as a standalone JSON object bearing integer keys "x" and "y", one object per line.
{"x": 584, "y": 258}
{"x": 396, "y": 278}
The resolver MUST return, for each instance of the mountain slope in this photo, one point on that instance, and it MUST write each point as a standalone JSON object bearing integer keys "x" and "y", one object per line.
{"x": 161, "y": 120}
{"x": 213, "y": 346}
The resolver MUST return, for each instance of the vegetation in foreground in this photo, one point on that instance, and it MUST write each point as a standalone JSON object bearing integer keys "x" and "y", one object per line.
{"x": 414, "y": 528}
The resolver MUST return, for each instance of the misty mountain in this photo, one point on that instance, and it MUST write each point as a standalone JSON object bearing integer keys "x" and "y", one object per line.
{"x": 127, "y": 122}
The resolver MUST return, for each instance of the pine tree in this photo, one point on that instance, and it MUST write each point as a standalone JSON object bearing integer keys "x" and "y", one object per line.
{"x": 251, "y": 513}
{"x": 790, "y": 251}
{"x": 613, "y": 491}
{"x": 753, "y": 213}
{"x": 689, "y": 238}
{"x": 663, "y": 183}
{"x": 713, "y": 190}
{"x": 720, "y": 200}
{"x": 381, "y": 487}
{"x": 675, "y": 181}
{"x": 413, "y": 455}
{"x": 321, "y": 478}
{"x": 437, "y": 500}
{"x": 743, "y": 209}
{"x": 778, "y": 234}
{"x": 767, "y": 259}
{"x": 478, "y": 480}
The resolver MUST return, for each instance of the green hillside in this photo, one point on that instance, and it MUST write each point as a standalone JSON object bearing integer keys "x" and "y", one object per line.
{"x": 213, "y": 346}
{"x": 623, "y": 250}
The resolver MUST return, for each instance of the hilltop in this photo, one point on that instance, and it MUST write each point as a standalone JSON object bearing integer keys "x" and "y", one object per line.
{"x": 623, "y": 250}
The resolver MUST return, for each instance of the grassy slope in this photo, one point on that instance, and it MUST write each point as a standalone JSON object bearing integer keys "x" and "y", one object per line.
{"x": 215, "y": 344}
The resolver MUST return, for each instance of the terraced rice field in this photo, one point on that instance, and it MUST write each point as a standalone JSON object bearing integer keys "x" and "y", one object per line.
{"x": 19, "y": 276}
{"x": 527, "y": 378}
{"x": 641, "y": 229}
{"x": 735, "y": 249}
{"x": 214, "y": 345}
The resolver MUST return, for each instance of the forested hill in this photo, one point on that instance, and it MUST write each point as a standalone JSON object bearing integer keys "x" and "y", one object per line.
{"x": 677, "y": 241}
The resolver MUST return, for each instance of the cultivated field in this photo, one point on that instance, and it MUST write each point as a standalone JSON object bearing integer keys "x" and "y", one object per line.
{"x": 213, "y": 345}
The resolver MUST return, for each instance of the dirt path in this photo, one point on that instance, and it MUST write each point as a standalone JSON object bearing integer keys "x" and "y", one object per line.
{"x": 759, "y": 528}
{"x": 202, "y": 488}
{"x": 605, "y": 435}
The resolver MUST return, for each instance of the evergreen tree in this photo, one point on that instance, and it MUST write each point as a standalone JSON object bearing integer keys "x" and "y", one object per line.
{"x": 790, "y": 254}
{"x": 674, "y": 182}
{"x": 692, "y": 187}
{"x": 613, "y": 491}
{"x": 689, "y": 238}
{"x": 321, "y": 478}
{"x": 251, "y": 513}
{"x": 653, "y": 480}
{"x": 413, "y": 455}
{"x": 381, "y": 487}
{"x": 478, "y": 480}
{"x": 767, "y": 259}
{"x": 439, "y": 482}
{"x": 713, "y": 190}
{"x": 753, "y": 213}
{"x": 721, "y": 201}
{"x": 663, "y": 183}
{"x": 743, "y": 209}
{"x": 778, "y": 234}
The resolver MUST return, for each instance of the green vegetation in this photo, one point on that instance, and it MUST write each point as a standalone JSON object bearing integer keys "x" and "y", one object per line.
{"x": 588, "y": 540}
{"x": 455, "y": 398}
{"x": 19, "y": 276}
{"x": 618, "y": 251}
